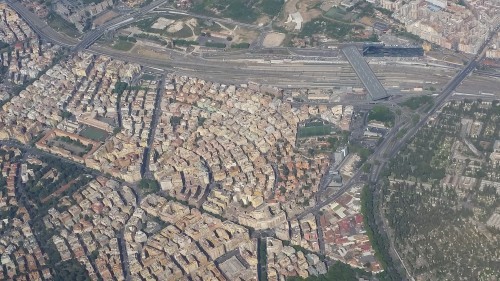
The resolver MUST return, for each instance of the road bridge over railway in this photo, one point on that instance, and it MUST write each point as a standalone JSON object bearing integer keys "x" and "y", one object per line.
{"x": 365, "y": 73}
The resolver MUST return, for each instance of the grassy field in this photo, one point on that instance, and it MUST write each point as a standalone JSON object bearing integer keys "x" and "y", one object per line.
{"x": 58, "y": 23}
{"x": 94, "y": 133}
{"x": 416, "y": 102}
{"x": 242, "y": 45}
{"x": 123, "y": 45}
{"x": 314, "y": 131}
{"x": 336, "y": 13}
{"x": 382, "y": 114}
{"x": 337, "y": 30}
{"x": 239, "y": 10}
{"x": 215, "y": 45}
{"x": 314, "y": 124}
{"x": 271, "y": 7}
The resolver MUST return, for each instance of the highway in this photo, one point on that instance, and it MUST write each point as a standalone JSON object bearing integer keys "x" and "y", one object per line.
{"x": 380, "y": 152}
{"x": 93, "y": 35}
{"x": 445, "y": 94}
{"x": 356, "y": 178}
{"x": 47, "y": 33}
{"x": 40, "y": 27}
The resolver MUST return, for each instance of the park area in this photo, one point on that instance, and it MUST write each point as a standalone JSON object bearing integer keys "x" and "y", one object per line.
{"x": 382, "y": 114}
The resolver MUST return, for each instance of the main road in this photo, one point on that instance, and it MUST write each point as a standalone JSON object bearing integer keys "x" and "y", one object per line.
{"x": 446, "y": 93}
{"x": 380, "y": 151}
{"x": 116, "y": 23}
{"x": 40, "y": 27}
{"x": 49, "y": 34}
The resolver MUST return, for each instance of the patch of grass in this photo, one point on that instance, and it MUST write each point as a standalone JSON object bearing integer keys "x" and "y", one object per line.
{"x": 149, "y": 186}
{"x": 384, "y": 11}
{"x": 271, "y": 7}
{"x": 336, "y": 13}
{"x": 365, "y": 9}
{"x": 363, "y": 152}
{"x": 94, "y": 133}
{"x": 4, "y": 45}
{"x": 123, "y": 45}
{"x": 215, "y": 45}
{"x": 401, "y": 133}
{"x": 214, "y": 27}
{"x": 337, "y": 272}
{"x": 239, "y": 10}
{"x": 416, "y": 102}
{"x": 242, "y": 45}
{"x": 314, "y": 131}
{"x": 379, "y": 242}
{"x": 70, "y": 270}
{"x": 181, "y": 42}
{"x": 146, "y": 24}
{"x": 127, "y": 38}
{"x": 60, "y": 24}
{"x": 382, "y": 114}
{"x": 262, "y": 256}
{"x": 154, "y": 38}
{"x": 331, "y": 29}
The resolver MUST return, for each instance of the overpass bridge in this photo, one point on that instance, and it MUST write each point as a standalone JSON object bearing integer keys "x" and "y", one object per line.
{"x": 91, "y": 36}
{"x": 116, "y": 23}
{"x": 365, "y": 73}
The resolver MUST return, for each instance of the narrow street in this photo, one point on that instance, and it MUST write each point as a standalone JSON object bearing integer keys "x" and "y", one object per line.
{"x": 145, "y": 171}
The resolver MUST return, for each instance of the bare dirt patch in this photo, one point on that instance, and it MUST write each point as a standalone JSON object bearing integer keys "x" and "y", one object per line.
{"x": 161, "y": 23}
{"x": 327, "y": 5}
{"x": 105, "y": 17}
{"x": 311, "y": 14}
{"x": 244, "y": 35}
{"x": 308, "y": 9}
{"x": 263, "y": 20}
{"x": 176, "y": 26}
{"x": 273, "y": 39}
{"x": 150, "y": 52}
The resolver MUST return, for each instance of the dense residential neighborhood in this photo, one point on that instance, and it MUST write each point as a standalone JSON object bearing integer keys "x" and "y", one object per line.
{"x": 205, "y": 140}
